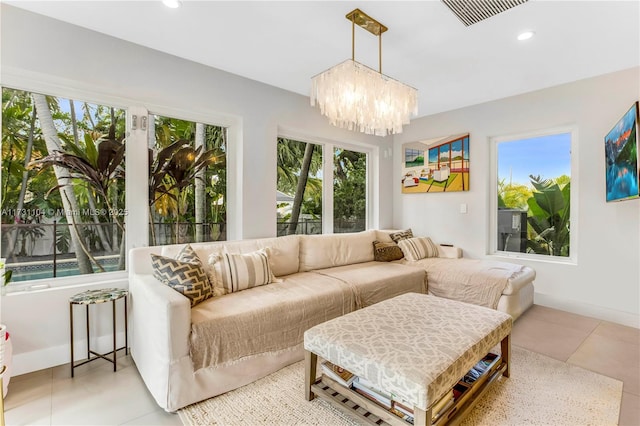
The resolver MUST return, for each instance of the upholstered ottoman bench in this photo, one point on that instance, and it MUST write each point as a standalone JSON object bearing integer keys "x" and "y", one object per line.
{"x": 415, "y": 347}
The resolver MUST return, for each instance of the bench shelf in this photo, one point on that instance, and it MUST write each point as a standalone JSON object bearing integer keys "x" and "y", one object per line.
{"x": 368, "y": 411}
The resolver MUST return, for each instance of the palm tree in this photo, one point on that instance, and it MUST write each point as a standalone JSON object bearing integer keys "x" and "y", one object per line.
{"x": 302, "y": 184}
{"x": 99, "y": 167}
{"x": 296, "y": 166}
{"x": 174, "y": 169}
{"x": 63, "y": 177}
{"x": 18, "y": 108}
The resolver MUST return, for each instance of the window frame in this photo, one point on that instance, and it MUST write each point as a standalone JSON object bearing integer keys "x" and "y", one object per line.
{"x": 328, "y": 152}
{"x": 136, "y": 147}
{"x": 49, "y": 88}
{"x": 205, "y": 119}
{"x": 492, "y": 237}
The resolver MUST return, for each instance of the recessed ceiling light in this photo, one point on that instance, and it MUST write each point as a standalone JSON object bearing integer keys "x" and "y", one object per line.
{"x": 525, "y": 35}
{"x": 173, "y": 4}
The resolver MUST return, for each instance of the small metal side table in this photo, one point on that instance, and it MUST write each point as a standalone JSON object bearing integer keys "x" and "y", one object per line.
{"x": 92, "y": 297}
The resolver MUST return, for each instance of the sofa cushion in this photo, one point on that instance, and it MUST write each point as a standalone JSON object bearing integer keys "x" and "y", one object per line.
{"x": 284, "y": 254}
{"x": 330, "y": 250}
{"x": 386, "y": 252}
{"x": 184, "y": 274}
{"x": 401, "y": 235}
{"x": 230, "y": 273}
{"x": 418, "y": 248}
{"x": 384, "y": 235}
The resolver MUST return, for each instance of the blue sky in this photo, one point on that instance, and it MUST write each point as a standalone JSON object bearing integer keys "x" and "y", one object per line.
{"x": 548, "y": 156}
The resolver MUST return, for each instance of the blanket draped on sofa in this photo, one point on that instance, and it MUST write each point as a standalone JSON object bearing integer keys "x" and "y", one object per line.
{"x": 479, "y": 282}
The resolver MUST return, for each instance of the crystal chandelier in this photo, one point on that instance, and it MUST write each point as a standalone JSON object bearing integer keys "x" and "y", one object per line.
{"x": 356, "y": 97}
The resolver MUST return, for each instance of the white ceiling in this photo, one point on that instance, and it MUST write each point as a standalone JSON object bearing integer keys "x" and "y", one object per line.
{"x": 285, "y": 43}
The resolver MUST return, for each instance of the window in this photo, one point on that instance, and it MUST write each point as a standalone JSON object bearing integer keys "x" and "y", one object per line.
{"x": 533, "y": 195}
{"x": 349, "y": 191}
{"x": 187, "y": 181}
{"x": 66, "y": 196}
{"x": 63, "y": 194}
{"x": 299, "y": 186}
{"x": 319, "y": 193}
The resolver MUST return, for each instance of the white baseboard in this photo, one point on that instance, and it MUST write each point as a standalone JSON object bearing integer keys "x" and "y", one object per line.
{"x": 58, "y": 355}
{"x": 594, "y": 311}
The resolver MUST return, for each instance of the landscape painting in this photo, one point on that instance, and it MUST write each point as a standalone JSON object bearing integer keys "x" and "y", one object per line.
{"x": 621, "y": 152}
{"x": 445, "y": 169}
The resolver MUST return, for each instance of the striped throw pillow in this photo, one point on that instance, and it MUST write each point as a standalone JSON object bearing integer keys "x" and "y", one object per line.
{"x": 235, "y": 272}
{"x": 418, "y": 248}
{"x": 184, "y": 274}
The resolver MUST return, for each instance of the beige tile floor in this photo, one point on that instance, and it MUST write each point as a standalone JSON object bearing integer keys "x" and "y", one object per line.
{"x": 97, "y": 395}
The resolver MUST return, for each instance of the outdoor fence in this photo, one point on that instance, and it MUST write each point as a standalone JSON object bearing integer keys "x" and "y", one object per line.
{"x": 311, "y": 227}
{"x": 45, "y": 250}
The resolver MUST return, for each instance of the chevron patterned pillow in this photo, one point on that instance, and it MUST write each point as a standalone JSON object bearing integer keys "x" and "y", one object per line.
{"x": 183, "y": 274}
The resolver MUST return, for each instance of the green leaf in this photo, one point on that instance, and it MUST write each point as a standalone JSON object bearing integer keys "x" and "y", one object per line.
{"x": 91, "y": 151}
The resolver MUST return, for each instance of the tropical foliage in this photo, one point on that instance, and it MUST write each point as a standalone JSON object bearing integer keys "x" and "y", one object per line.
{"x": 34, "y": 203}
{"x": 299, "y": 175}
{"x": 63, "y": 187}
{"x": 549, "y": 214}
{"x": 173, "y": 172}
{"x": 349, "y": 190}
{"x": 547, "y": 202}
{"x": 187, "y": 181}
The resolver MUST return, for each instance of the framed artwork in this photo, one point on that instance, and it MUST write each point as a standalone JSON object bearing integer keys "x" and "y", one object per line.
{"x": 621, "y": 155}
{"x": 437, "y": 165}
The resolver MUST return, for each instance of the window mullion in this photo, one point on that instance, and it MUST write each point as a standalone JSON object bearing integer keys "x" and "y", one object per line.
{"x": 327, "y": 188}
{"x": 136, "y": 178}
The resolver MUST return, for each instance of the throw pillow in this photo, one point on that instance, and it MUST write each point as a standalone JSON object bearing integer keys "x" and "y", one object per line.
{"x": 184, "y": 274}
{"x": 235, "y": 272}
{"x": 418, "y": 248}
{"x": 401, "y": 235}
{"x": 386, "y": 252}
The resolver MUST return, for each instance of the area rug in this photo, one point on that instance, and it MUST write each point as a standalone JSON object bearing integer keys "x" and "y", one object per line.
{"x": 540, "y": 391}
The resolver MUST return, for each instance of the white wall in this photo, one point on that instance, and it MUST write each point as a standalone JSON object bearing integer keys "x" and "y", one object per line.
{"x": 605, "y": 282}
{"x": 39, "y": 53}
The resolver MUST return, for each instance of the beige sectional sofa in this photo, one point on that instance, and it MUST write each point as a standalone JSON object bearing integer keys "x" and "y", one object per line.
{"x": 186, "y": 354}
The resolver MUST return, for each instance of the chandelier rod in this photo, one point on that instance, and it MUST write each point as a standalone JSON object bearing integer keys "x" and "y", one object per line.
{"x": 368, "y": 23}
{"x": 380, "y": 53}
{"x": 353, "y": 38}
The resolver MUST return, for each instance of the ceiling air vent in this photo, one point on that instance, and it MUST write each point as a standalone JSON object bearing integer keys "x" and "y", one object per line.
{"x": 473, "y": 11}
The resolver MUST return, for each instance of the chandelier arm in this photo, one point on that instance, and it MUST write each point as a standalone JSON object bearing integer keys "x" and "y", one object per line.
{"x": 380, "y": 52}
{"x": 353, "y": 39}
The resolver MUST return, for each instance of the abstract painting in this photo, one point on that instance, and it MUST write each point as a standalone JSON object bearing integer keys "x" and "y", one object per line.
{"x": 621, "y": 153}
{"x": 436, "y": 165}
